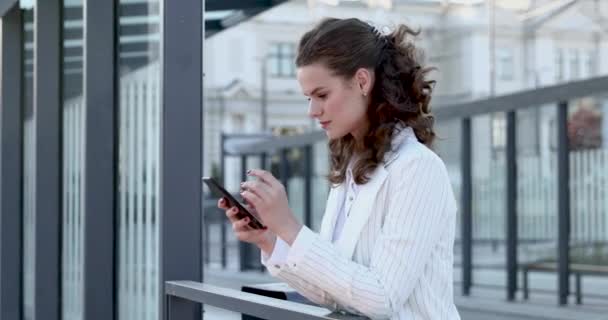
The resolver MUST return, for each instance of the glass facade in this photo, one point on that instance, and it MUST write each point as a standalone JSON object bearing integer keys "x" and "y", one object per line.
{"x": 73, "y": 111}
{"x": 28, "y": 158}
{"x": 138, "y": 159}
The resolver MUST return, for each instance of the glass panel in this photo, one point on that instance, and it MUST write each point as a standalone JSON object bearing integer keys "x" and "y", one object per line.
{"x": 295, "y": 184}
{"x": 73, "y": 158}
{"x": 138, "y": 157}
{"x": 588, "y": 137}
{"x": 448, "y": 146}
{"x": 536, "y": 186}
{"x": 28, "y": 159}
{"x": 489, "y": 187}
{"x": 320, "y": 184}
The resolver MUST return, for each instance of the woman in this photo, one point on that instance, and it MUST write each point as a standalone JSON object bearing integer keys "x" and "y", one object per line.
{"x": 385, "y": 245}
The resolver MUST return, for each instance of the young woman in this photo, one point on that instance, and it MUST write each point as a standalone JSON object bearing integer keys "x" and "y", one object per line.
{"x": 385, "y": 248}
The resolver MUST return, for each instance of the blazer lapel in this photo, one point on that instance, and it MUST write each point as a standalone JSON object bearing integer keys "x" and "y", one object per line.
{"x": 362, "y": 208}
{"x": 331, "y": 212}
{"x": 360, "y": 212}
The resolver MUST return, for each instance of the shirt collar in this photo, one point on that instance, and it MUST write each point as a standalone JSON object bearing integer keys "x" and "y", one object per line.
{"x": 401, "y": 133}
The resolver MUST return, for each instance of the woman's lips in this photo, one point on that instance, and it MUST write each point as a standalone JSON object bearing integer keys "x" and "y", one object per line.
{"x": 324, "y": 124}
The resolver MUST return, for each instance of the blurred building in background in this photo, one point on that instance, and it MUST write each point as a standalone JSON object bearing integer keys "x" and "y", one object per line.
{"x": 250, "y": 70}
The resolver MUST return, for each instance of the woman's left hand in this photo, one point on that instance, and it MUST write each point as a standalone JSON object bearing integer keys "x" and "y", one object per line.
{"x": 269, "y": 198}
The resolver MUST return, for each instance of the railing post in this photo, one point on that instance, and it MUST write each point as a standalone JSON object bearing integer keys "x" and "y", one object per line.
{"x": 45, "y": 256}
{"x": 308, "y": 185}
{"x": 263, "y": 166}
{"x": 263, "y": 161}
{"x": 223, "y": 181}
{"x": 563, "y": 202}
{"x": 284, "y": 168}
{"x": 99, "y": 260}
{"x": 511, "y": 205}
{"x": 467, "y": 207}
{"x": 180, "y": 206}
{"x": 243, "y": 246}
{"x": 11, "y": 160}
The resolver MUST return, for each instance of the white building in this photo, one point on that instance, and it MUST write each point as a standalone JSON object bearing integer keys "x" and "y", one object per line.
{"x": 534, "y": 43}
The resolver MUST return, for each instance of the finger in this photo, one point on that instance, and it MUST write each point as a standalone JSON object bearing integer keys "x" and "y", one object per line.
{"x": 252, "y": 198}
{"x": 264, "y": 176}
{"x": 222, "y": 203}
{"x": 241, "y": 225}
{"x": 232, "y": 214}
{"x": 250, "y": 207}
{"x": 260, "y": 188}
{"x": 257, "y": 232}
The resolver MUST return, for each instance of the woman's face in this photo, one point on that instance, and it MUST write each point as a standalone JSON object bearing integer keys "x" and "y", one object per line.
{"x": 339, "y": 105}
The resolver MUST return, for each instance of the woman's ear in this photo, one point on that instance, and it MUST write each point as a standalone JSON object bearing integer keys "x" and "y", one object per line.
{"x": 364, "y": 79}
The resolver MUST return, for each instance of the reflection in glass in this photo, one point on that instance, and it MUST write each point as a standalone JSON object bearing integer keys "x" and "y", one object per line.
{"x": 588, "y": 142}
{"x": 138, "y": 158}
{"x": 28, "y": 159}
{"x": 73, "y": 158}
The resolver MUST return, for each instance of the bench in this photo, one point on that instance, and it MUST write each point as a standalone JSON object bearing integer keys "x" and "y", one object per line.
{"x": 575, "y": 268}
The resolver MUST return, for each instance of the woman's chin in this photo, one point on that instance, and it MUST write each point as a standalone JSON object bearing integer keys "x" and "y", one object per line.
{"x": 333, "y": 135}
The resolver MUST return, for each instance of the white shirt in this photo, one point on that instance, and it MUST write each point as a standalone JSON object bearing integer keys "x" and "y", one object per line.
{"x": 281, "y": 248}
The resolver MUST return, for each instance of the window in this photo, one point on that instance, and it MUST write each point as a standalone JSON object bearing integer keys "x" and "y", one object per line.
{"x": 559, "y": 64}
{"x": 504, "y": 64}
{"x": 499, "y": 132}
{"x": 587, "y": 63}
{"x": 575, "y": 71}
{"x": 281, "y": 60}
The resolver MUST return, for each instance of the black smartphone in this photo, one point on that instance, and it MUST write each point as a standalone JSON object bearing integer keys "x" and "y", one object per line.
{"x": 219, "y": 191}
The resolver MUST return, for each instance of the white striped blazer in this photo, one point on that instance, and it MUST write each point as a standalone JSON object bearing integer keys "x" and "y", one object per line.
{"x": 394, "y": 259}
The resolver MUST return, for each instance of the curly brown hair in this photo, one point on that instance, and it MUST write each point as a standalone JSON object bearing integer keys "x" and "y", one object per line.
{"x": 400, "y": 94}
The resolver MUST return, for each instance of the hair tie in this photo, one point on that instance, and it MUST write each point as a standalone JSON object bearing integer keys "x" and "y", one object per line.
{"x": 380, "y": 37}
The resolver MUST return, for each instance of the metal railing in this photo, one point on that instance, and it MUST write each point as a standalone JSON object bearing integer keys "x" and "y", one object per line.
{"x": 180, "y": 294}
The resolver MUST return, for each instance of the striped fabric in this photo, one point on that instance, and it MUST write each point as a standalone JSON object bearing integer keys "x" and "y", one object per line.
{"x": 394, "y": 258}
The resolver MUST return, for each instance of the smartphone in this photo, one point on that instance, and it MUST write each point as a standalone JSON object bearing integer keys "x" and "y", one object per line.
{"x": 219, "y": 191}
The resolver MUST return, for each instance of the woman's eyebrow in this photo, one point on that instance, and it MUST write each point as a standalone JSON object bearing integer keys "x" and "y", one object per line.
{"x": 315, "y": 90}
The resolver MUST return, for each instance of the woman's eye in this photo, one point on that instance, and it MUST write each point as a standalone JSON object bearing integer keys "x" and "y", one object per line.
{"x": 323, "y": 96}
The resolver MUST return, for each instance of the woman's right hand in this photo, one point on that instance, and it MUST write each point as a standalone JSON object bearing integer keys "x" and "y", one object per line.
{"x": 263, "y": 238}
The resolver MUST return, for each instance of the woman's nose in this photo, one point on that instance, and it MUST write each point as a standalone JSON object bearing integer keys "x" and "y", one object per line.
{"x": 314, "y": 110}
